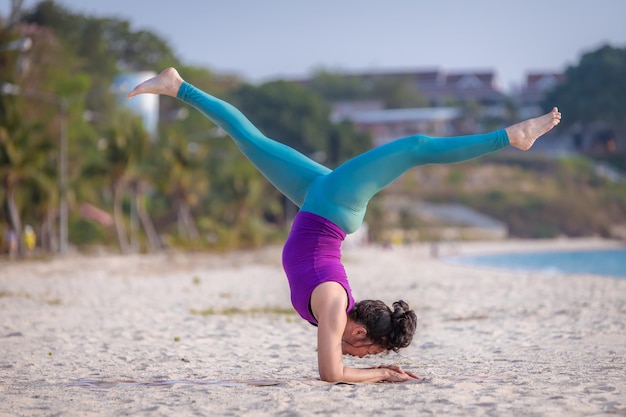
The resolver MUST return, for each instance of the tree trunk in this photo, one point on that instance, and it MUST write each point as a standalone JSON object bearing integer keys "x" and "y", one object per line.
{"x": 186, "y": 218}
{"x": 51, "y": 231}
{"x": 44, "y": 231}
{"x": 118, "y": 215}
{"x": 146, "y": 221}
{"x": 14, "y": 215}
{"x": 133, "y": 226}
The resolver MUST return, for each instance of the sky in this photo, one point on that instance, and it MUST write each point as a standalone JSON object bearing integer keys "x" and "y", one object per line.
{"x": 265, "y": 39}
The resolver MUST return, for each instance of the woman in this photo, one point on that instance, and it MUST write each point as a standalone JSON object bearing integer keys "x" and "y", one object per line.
{"x": 332, "y": 204}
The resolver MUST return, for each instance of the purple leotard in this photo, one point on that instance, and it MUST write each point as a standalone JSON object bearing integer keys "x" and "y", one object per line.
{"x": 311, "y": 256}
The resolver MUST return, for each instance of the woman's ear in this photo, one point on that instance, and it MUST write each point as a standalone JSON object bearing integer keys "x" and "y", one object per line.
{"x": 359, "y": 332}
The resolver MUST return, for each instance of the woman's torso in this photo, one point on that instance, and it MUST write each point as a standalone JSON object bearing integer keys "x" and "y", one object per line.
{"x": 311, "y": 256}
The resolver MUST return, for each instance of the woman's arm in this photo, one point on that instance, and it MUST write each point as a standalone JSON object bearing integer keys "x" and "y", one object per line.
{"x": 329, "y": 303}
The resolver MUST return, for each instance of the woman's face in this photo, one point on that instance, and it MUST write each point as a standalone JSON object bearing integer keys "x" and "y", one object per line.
{"x": 360, "y": 348}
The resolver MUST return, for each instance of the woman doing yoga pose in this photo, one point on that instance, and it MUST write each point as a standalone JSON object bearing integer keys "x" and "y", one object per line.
{"x": 332, "y": 204}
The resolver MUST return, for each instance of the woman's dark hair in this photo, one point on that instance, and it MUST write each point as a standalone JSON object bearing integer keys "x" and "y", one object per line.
{"x": 392, "y": 330}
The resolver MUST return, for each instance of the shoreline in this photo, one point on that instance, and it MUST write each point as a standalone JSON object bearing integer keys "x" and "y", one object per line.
{"x": 121, "y": 335}
{"x": 533, "y": 245}
{"x": 563, "y": 256}
{"x": 468, "y": 247}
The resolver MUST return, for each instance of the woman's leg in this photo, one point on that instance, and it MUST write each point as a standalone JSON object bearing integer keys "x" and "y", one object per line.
{"x": 342, "y": 195}
{"x": 287, "y": 169}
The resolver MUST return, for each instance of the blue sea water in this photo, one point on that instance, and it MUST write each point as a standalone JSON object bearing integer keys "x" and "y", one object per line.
{"x": 607, "y": 262}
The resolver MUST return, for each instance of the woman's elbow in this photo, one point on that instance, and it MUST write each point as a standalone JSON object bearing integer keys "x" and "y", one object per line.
{"x": 331, "y": 376}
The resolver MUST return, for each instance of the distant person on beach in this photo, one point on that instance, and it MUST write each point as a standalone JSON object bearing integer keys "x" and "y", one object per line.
{"x": 12, "y": 243}
{"x": 332, "y": 204}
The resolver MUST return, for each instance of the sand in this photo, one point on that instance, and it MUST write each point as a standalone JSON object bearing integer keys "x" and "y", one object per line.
{"x": 159, "y": 335}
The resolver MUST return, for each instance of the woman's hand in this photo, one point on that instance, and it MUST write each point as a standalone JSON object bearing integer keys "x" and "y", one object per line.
{"x": 396, "y": 374}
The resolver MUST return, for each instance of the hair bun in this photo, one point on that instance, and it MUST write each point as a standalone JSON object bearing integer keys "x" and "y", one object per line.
{"x": 400, "y": 307}
{"x": 404, "y": 322}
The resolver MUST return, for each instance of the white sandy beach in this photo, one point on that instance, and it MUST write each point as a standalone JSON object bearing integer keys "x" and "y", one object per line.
{"x": 157, "y": 335}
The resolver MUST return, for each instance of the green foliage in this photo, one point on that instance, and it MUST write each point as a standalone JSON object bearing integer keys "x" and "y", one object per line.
{"x": 299, "y": 118}
{"x": 287, "y": 113}
{"x": 617, "y": 160}
{"x": 27, "y": 173}
{"x": 539, "y": 198}
{"x": 455, "y": 177}
{"x": 594, "y": 90}
{"x": 335, "y": 86}
{"x": 396, "y": 93}
{"x": 254, "y": 311}
{"x": 84, "y": 232}
{"x": 344, "y": 142}
{"x": 393, "y": 92}
{"x": 105, "y": 45}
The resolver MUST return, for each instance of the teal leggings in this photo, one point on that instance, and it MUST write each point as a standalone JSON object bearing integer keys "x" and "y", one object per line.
{"x": 339, "y": 195}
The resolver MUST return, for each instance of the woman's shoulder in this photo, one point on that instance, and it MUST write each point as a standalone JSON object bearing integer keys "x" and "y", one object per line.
{"x": 328, "y": 297}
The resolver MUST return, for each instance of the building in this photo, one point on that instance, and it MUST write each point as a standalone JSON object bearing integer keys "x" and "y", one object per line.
{"x": 385, "y": 125}
{"x": 536, "y": 85}
{"x": 439, "y": 88}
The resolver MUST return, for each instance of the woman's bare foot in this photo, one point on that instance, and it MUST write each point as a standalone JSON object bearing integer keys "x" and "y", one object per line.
{"x": 523, "y": 135}
{"x": 167, "y": 82}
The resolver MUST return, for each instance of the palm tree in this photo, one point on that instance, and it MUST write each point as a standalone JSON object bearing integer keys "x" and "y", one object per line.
{"x": 240, "y": 196}
{"x": 125, "y": 137}
{"x": 130, "y": 169}
{"x": 182, "y": 177}
{"x": 23, "y": 158}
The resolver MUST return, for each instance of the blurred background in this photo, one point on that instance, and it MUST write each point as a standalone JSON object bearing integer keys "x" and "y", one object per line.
{"x": 83, "y": 169}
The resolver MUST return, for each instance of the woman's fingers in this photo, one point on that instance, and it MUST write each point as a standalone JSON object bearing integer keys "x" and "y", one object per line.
{"x": 412, "y": 375}
{"x": 401, "y": 371}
